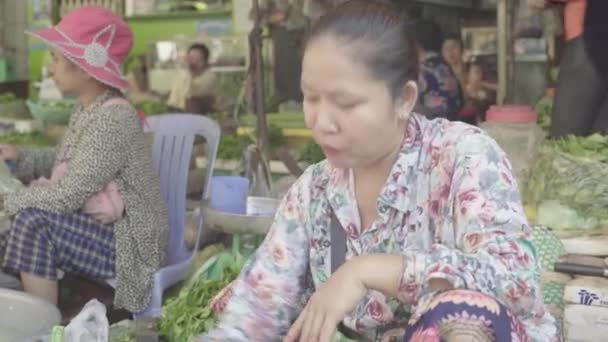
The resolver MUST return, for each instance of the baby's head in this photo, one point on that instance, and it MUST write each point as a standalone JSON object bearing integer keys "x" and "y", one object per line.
{"x": 89, "y": 47}
{"x": 475, "y": 73}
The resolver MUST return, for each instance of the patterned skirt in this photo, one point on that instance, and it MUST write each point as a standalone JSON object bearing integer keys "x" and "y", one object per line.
{"x": 463, "y": 315}
{"x": 41, "y": 242}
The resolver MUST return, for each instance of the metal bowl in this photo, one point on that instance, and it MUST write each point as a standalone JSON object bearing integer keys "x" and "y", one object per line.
{"x": 24, "y": 316}
{"x": 229, "y": 223}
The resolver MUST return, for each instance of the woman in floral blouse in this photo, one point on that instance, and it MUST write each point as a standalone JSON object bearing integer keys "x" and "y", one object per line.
{"x": 437, "y": 244}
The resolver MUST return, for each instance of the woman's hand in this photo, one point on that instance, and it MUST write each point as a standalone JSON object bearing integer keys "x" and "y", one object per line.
{"x": 9, "y": 153}
{"x": 328, "y": 306}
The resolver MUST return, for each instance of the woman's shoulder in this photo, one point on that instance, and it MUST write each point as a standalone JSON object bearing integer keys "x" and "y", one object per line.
{"x": 458, "y": 137}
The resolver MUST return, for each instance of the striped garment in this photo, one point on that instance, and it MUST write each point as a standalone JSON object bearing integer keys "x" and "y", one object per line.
{"x": 41, "y": 242}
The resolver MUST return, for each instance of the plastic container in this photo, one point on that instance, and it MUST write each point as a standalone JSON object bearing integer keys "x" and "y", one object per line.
{"x": 24, "y": 315}
{"x": 262, "y": 206}
{"x": 229, "y": 194}
{"x": 515, "y": 129}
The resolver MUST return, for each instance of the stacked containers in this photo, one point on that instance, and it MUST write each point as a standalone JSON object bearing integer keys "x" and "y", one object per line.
{"x": 515, "y": 129}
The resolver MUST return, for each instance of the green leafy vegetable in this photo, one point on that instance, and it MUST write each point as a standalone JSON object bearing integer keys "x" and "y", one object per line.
{"x": 7, "y": 98}
{"x": 152, "y": 107}
{"x": 35, "y": 139}
{"x": 311, "y": 153}
{"x": 573, "y": 172}
{"x": 188, "y": 315}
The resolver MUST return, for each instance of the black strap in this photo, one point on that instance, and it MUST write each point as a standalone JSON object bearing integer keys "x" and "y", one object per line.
{"x": 338, "y": 243}
{"x": 338, "y": 256}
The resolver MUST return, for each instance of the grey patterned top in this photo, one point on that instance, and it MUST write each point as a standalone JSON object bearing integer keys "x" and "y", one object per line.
{"x": 105, "y": 143}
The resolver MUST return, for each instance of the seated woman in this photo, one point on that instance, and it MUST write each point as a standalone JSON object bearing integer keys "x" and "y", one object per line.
{"x": 58, "y": 224}
{"x": 440, "y": 91}
{"x": 435, "y": 240}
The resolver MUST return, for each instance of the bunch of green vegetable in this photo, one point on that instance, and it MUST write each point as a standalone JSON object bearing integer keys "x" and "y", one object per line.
{"x": 311, "y": 153}
{"x": 189, "y": 314}
{"x": 593, "y": 147}
{"x": 544, "y": 108}
{"x": 64, "y": 105}
{"x": 34, "y": 139}
{"x": 573, "y": 172}
{"x": 282, "y": 120}
{"x": 232, "y": 146}
{"x": 7, "y": 98}
{"x": 152, "y": 107}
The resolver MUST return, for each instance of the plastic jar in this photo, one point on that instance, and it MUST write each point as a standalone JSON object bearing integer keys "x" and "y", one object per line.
{"x": 515, "y": 129}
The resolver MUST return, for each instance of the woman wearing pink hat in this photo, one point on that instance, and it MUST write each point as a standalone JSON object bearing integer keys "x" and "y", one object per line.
{"x": 100, "y": 215}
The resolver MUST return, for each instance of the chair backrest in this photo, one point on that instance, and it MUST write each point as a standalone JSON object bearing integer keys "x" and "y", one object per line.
{"x": 174, "y": 136}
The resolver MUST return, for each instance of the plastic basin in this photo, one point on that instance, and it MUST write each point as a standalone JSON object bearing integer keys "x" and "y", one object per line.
{"x": 24, "y": 316}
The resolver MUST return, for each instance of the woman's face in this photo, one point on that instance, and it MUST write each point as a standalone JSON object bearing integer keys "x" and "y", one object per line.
{"x": 68, "y": 77}
{"x": 353, "y": 116}
{"x": 452, "y": 51}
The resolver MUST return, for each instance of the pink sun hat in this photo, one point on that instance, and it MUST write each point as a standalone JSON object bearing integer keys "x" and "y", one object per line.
{"x": 95, "y": 39}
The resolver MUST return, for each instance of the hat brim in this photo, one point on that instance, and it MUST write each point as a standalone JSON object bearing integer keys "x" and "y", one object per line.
{"x": 55, "y": 39}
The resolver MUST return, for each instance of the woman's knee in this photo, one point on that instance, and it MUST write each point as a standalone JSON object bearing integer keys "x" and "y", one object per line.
{"x": 27, "y": 219}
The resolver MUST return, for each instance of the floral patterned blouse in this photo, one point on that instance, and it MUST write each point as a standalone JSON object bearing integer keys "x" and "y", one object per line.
{"x": 439, "y": 88}
{"x": 450, "y": 206}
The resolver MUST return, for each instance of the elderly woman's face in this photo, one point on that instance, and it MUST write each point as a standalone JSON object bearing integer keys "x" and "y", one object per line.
{"x": 68, "y": 77}
{"x": 353, "y": 116}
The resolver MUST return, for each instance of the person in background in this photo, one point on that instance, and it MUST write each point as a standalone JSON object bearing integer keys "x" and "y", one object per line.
{"x": 452, "y": 53}
{"x": 440, "y": 92}
{"x": 94, "y": 208}
{"x": 580, "y": 104}
{"x": 478, "y": 94}
{"x": 197, "y": 89}
{"x": 435, "y": 243}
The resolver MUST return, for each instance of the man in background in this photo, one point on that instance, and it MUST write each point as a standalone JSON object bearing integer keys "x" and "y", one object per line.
{"x": 196, "y": 90}
{"x": 580, "y": 104}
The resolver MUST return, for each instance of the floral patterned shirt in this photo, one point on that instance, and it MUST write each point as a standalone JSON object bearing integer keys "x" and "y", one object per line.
{"x": 450, "y": 206}
{"x": 439, "y": 88}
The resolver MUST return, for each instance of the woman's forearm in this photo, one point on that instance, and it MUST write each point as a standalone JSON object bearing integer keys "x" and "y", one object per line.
{"x": 383, "y": 272}
{"x": 380, "y": 272}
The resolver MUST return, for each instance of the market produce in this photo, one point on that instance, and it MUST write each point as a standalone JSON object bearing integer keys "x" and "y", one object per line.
{"x": 7, "y": 98}
{"x": 152, "y": 107}
{"x": 311, "y": 153}
{"x": 568, "y": 183}
{"x": 282, "y": 120}
{"x": 189, "y": 315}
{"x": 65, "y": 105}
{"x": 34, "y": 139}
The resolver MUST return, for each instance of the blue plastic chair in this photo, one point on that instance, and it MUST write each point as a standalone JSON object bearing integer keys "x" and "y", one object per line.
{"x": 174, "y": 136}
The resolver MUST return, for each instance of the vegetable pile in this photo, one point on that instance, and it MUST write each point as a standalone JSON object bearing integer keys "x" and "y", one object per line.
{"x": 568, "y": 183}
{"x": 152, "y": 107}
{"x": 34, "y": 139}
{"x": 189, "y": 315}
{"x": 7, "y": 98}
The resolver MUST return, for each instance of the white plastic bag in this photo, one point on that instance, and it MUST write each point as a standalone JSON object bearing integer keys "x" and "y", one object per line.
{"x": 91, "y": 324}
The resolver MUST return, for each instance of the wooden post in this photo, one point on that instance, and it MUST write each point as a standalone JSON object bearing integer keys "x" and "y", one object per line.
{"x": 501, "y": 32}
{"x": 255, "y": 40}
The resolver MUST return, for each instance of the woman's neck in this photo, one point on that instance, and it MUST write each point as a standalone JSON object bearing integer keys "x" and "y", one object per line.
{"x": 88, "y": 95}
{"x": 378, "y": 172}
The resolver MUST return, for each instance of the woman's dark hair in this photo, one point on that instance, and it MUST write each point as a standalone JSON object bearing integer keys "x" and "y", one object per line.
{"x": 453, "y": 36}
{"x": 204, "y": 50}
{"x": 429, "y": 35}
{"x": 380, "y": 37}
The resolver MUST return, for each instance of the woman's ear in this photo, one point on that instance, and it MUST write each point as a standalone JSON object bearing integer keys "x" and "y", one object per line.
{"x": 409, "y": 97}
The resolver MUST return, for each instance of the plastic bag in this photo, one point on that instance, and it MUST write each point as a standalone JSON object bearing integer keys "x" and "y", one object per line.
{"x": 91, "y": 324}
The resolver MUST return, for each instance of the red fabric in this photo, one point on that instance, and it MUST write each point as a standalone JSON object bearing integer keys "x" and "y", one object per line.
{"x": 574, "y": 18}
